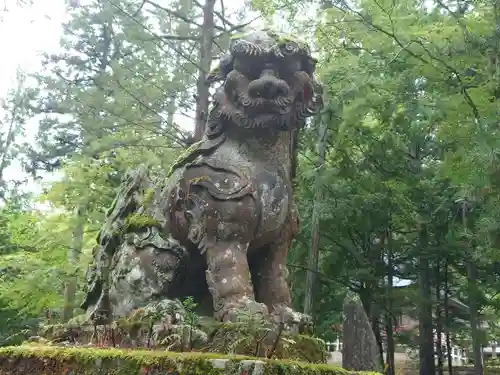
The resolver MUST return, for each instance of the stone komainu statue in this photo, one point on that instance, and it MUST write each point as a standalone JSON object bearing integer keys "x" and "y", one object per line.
{"x": 218, "y": 227}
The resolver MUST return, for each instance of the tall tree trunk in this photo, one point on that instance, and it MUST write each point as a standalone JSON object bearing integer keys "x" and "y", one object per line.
{"x": 426, "y": 342}
{"x": 205, "y": 59}
{"x": 172, "y": 100}
{"x": 375, "y": 323}
{"x": 74, "y": 252}
{"x": 391, "y": 364}
{"x": 15, "y": 119}
{"x": 312, "y": 263}
{"x": 447, "y": 318}
{"x": 439, "y": 321}
{"x": 474, "y": 317}
{"x": 473, "y": 292}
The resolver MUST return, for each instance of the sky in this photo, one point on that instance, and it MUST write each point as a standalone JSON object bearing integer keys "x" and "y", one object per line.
{"x": 25, "y": 32}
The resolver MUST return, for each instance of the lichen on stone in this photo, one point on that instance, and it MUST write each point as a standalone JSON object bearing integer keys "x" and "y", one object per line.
{"x": 181, "y": 159}
{"x": 197, "y": 180}
{"x": 148, "y": 196}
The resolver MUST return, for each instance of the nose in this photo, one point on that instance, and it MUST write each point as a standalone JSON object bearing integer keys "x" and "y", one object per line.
{"x": 267, "y": 86}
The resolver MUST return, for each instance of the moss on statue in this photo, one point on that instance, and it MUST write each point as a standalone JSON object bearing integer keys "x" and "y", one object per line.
{"x": 148, "y": 197}
{"x": 49, "y": 360}
{"x": 280, "y": 38}
{"x": 283, "y": 40}
{"x": 183, "y": 157}
{"x": 137, "y": 221}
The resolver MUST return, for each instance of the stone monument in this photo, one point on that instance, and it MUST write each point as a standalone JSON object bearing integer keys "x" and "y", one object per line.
{"x": 360, "y": 350}
{"x": 218, "y": 226}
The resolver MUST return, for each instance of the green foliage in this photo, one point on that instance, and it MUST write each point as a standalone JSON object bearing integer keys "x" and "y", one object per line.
{"x": 192, "y": 319}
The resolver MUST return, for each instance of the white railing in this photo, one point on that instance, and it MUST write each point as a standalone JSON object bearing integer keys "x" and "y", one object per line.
{"x": 335, "y": 346}
{"x": 458, "y": 355}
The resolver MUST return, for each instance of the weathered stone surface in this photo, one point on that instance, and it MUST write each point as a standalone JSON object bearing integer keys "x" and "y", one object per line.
{"x": 219, "y": 225}
{"x": 38, "y": 360}
{"x": 360, "y": 351}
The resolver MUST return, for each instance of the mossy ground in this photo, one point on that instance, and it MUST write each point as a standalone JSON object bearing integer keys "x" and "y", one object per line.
{"x": 48, "y": 360}
{"x": 228, "y": 338}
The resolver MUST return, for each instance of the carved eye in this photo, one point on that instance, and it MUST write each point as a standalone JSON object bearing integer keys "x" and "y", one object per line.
{"x": 289, "y": 66}
{"x": 290, "y": 48}
{"x": 249, "y": 68}
{"x": 178, "y": 200}
{"x": 189, "y": 215}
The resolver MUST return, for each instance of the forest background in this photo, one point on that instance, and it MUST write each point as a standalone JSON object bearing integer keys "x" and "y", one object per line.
{"x": 398, "y": 179}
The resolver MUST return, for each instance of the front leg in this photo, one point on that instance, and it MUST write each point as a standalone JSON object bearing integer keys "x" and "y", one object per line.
{"x": 229, "y": 281}
{"x": 271, "y": 276}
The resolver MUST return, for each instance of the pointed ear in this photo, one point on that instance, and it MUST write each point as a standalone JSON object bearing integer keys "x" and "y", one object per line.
{"x": 317, "y": 86}
{"x": 316, "y": 104}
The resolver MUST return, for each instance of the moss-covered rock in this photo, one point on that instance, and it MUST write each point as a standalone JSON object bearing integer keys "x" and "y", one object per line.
{"x": 260, "y": 340}
{"x": 161, "y": 326}
{"x": 46, "y": 360}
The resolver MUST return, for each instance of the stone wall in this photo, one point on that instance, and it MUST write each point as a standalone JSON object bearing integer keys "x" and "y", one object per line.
{"x": 468, "y": 370}
{"x": 51, "y": 360}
